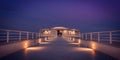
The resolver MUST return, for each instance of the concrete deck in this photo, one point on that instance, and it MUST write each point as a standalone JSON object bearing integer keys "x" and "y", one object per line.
{"x": 58, "y": 49}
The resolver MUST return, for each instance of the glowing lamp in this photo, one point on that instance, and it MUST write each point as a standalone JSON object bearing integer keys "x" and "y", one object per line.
{"x": 26, "y": 44}
{"x": 73, "y": 32}
{"x": 46, "y": 32}
{"x": 45, "y": 38}
{"x": 65, "y": 31}
{"x": 79, "y": 41}
{"x": 73, "y": 39}
{"x": 93, "y": 46}
{"x": 39, "y": 40}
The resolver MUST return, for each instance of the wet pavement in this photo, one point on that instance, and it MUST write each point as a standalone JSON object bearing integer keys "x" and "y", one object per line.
{"x": 58, "y": 49}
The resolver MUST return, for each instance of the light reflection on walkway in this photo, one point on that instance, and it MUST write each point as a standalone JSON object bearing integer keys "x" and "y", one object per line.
{"x": 35, "y": 48}
{"x": 89, "y": 50}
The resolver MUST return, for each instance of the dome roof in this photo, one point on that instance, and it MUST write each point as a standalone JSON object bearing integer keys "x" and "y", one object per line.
{"x": 59, "y": 28}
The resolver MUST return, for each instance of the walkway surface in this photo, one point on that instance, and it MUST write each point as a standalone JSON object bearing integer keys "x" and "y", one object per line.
{"x": 58, "y": 49}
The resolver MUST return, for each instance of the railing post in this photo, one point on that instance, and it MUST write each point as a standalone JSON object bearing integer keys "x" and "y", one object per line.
{"x": 36, "y": 35}
{"x": 91, "y": 36}
{"x": 32, "y": 35}
{"x": 82, "y": 36}
{"x": 7, "y": 37}
{"x": 110, "y": 37}
{"x": 19, "y": 36}
{"x": 86, "y": 36}
{"x": 98, "y": 36}
{"x": 39, "y": 35}
{"x": 27, "y": 35}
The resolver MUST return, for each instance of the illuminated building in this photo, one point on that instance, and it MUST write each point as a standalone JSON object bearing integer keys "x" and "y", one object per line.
{"x": 59, "y": 32}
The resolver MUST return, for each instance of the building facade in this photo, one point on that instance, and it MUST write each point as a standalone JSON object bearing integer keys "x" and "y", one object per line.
{"x": 60, "y": 32}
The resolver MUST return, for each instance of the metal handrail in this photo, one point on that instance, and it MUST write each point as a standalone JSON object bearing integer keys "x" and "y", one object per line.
{"x": 104, "y": 31}
{"x": 102, "y": 35}
{"x": 15, "y": 30}
{"x": 7, "y": 36}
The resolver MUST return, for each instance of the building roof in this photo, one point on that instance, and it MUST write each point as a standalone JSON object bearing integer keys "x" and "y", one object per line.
{"x": 59, "y": 28}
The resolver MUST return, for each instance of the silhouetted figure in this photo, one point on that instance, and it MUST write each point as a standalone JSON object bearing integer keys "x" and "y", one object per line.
{"x": 59, "y": 33}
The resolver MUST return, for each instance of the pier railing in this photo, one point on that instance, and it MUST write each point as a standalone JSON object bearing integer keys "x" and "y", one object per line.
{"x": 9, "y": 36}
{"x": 110, "y": 37}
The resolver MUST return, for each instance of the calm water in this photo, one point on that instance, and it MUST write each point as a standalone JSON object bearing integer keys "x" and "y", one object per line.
{"x": 58, "y": 50}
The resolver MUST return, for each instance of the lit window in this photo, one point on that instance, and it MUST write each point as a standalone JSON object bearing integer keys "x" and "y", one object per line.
{"x": 65, "y": 31}
{"x": 46, "y": 32}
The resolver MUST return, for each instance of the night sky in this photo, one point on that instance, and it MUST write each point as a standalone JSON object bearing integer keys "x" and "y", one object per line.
{"x": 85, "y": 15}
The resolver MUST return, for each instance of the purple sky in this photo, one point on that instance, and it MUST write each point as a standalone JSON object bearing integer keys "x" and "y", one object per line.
{"x": 86, "y": 16}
